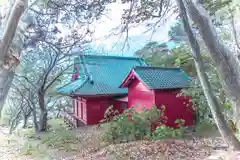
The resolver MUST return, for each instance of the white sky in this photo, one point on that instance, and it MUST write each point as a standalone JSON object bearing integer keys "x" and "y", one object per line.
{"x": 114, "y": 20}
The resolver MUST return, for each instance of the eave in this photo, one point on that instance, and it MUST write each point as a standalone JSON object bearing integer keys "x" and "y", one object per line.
{"x": 128, "y": 79}
{"x": 132, "y": 75}
{"x": 98, "y": 95}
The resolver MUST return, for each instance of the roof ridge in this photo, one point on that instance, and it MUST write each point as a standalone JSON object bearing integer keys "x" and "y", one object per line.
{"x": 110, "y": 56}
{"x": 156, "y": 67}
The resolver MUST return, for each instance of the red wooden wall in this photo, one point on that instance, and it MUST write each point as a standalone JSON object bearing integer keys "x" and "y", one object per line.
{"x": 98, "y": 106}
{"x": 176, "y": 107}
{"x": 91, "y": 110}
{"x": 140, "y": 96}
{"x": 80, "y": 109}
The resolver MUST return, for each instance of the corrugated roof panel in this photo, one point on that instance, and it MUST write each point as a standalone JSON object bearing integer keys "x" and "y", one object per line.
{"x": 107, "y": 73}
{"x": 163, "y": 78}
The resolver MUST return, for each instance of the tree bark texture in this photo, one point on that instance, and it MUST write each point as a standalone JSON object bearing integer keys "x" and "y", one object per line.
{"x": 32, "y": 106}
{"x": 227, "y": 63}
{"x": 4, "y": 22}
{"x": 34, "y": 114}
{"x": 9, "y": 58}
{"x": 43, "y": 112}
{"x": 10, "y": 29}
{"x": 26, "y": 116}
{"x": 221, "y": 123}
{"x": 6, "y": 79}
{"x": 25, "y": 119}
{"x": 14, "y": 122}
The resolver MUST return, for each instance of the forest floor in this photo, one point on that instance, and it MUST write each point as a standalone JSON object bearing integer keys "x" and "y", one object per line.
{"x": 89, "y": 146}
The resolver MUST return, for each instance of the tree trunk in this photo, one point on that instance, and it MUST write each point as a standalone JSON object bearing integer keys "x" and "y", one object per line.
{"x": 224, "y": 130}
{"x": 43, "y": 121}
{"x": 236, "y": 112}
{"x": 26, "y": 116}
{"x": 43, "y": 112}
{"x": 34, "y": 114}
{"x": 226, "y": 62}
{"x": 9, "y": 61}
{"x": 25, "y": 119}
{"x": 6, "y": 79}
{"x": 10, "y": 30}
{"x": 58, "y": 113}
{"x": 14, "y": 122}
{"x": 4, "y": 22}
{"x": 32, "y": 106}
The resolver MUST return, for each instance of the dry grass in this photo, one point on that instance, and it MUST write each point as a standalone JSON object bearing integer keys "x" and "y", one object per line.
{"x": 152, "y": 150}
{"x": 90, "y": 146}
{"x": 90, "y": 140}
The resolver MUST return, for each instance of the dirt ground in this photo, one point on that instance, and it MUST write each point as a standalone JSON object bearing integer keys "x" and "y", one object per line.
{"x": 9, "y": 147}
{"x": 91, "y": 147}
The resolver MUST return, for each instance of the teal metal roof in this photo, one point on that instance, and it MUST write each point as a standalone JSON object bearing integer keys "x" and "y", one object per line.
{"x": 107, "y": 73}
{"x": 70, "y": 87}
{"x": 162, "y": 78}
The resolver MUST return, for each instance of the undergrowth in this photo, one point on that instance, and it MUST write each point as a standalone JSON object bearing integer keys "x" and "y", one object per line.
{"x": 132, "y": 126}
{"x": 59, "y": 133}
{"x": 28, "y": 133}
{"x": 37, "y": 150}
{"x": 59, "y": 137}
{"x": 164, "y": 132}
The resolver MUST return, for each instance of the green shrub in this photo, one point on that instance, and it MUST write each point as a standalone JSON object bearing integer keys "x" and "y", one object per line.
{"x": 180, "y": 122}
{"x": 165, "y": 132}
{"x": 60, "y": 136}
{"x": 109, "y": 114}
{"x": 131, "y": 125}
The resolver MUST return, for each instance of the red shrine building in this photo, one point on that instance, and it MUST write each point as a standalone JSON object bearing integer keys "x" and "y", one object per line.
{"x": 101, "y": 81}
